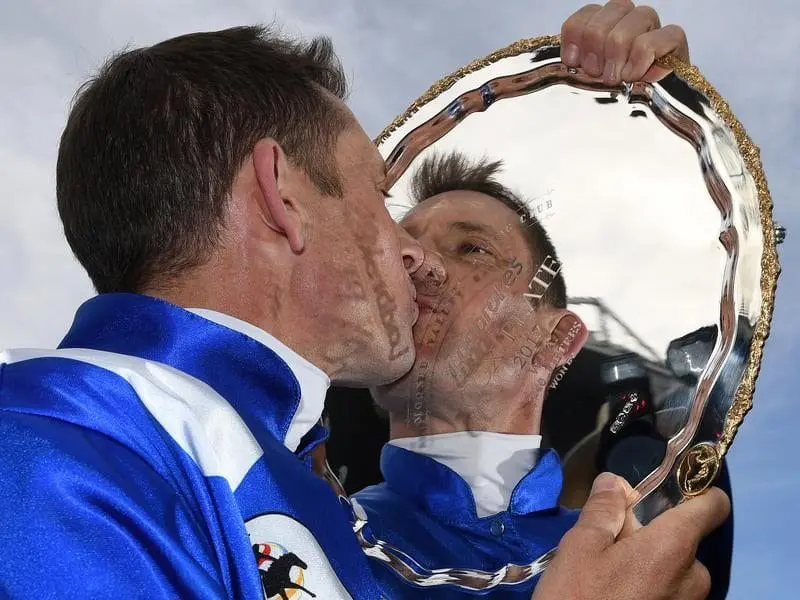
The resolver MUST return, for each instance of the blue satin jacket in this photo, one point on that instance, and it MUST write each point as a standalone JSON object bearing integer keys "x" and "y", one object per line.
{"x": 147, "y": 457}
{"x": 427, "y": 511}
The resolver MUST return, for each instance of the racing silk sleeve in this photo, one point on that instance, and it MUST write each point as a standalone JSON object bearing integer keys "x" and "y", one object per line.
{"x": 83, "y": 516}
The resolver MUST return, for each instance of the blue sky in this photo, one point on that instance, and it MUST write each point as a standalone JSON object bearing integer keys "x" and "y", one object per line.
{"x": 392, "y": 52}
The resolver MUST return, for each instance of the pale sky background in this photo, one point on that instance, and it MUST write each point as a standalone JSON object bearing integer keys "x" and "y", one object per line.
{"x": 393, "y": 51}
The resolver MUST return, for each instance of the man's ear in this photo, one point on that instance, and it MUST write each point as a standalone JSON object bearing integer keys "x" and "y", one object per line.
{"x": 273, "y": 173}
{"x": 569, "y": 333}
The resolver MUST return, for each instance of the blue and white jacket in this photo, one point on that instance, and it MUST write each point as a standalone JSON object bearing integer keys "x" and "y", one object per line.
{"x": 428, "y": 511}
{"x": 165, "y": 453}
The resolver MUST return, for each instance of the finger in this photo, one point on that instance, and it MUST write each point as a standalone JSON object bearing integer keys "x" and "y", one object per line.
{"x": 632, "y": 496}
{"x": 697, "y": 517}
{"x": 602, "y": 517}
{"x": 620, "y": 39}
{"x": 651, "y": 46}
{"x": 632, "y": 522}
{"x": 597, "y": 30}
{"x": 572, "y": 34}
{"x": 696, "y": 585}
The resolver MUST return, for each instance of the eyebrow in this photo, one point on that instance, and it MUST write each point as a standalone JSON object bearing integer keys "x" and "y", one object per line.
{"x": 471, "y": 227}
{"x": 417, "y": 231}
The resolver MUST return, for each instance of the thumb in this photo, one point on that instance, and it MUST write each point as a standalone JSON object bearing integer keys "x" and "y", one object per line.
{"x": 603, "y": 516}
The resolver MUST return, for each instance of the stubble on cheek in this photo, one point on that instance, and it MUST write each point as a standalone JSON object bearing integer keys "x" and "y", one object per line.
{"x": 351, "y": 284}
{"x": 481, "y": 341}
{"x": 435, "y": 326}
{"x": 375, "y": 261}
{"x": 476, "y": 347}
{"x": 345, "y": 342}
{"x": 346, "y": 356}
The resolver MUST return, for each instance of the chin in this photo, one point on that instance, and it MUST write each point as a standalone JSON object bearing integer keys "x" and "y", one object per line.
{"x": 394, "y": 396}
{"x": 397, "y": 366}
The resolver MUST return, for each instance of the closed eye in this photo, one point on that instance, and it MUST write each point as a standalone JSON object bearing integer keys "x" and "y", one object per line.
{"x": 471, "y": 248}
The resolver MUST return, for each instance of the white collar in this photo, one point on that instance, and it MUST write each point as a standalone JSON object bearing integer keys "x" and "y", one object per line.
{"x": 492, "y": 464}
{"x": 314, "y": 383}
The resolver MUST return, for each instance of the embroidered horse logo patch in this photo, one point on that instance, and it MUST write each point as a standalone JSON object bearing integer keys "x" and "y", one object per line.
{"x": 291, "y": 563}
{"x": 282, "y": 572}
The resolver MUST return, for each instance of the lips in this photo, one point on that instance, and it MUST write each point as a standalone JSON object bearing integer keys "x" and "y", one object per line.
{"x": 434, "y": 304}
{"x": 426, "y": 303}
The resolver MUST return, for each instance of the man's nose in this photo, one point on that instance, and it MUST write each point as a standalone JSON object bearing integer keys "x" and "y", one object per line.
{"x": 426, "y": 267}
{"x": 411, "y": 251}
{"x": 431, "y": 275}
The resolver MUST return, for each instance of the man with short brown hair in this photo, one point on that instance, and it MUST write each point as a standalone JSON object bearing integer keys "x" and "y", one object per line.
{"x": 230, "y": 211}
{"x": 470, "y": 496}
{"x": 164, "y": 448}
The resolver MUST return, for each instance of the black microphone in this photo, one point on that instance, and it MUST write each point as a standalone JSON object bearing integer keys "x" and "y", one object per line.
{"x": 630, "y": 444}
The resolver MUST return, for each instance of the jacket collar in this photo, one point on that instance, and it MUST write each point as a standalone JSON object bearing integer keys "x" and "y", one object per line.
{"x": 445, "y": 495}
{"x": 275, "y": 391}
{"x": 492, "y": 464}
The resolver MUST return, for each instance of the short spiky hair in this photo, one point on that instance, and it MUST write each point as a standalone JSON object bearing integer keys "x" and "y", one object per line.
{"x": 440, "y": 173}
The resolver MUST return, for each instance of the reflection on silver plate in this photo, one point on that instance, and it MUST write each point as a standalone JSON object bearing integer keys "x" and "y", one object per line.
{"x": 657, "y": 204}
